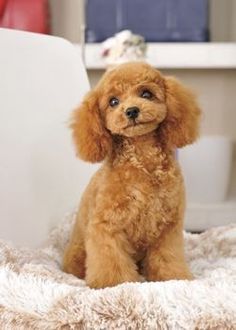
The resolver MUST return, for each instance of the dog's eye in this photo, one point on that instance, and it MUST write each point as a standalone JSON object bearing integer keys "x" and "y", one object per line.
{"x": 113, "y": 102}
{"x": 146, "y": 94}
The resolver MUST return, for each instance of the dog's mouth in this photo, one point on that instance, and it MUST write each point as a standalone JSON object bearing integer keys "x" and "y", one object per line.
{"x": 137, "y": 127}
{"x": 135, "y": 123}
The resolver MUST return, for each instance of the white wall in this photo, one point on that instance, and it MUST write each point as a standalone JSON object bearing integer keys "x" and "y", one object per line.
{"x": 66, "y": 18}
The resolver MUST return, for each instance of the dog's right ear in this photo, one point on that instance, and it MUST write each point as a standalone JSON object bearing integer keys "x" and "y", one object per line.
{"x": 92, "y": 140}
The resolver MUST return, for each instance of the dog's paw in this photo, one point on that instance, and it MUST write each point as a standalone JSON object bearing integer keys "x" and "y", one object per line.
{"x": 170, "y": 274}
{"x": 99, "y": 283}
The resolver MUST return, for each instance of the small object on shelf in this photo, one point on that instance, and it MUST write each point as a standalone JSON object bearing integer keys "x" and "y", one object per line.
{"x": 124, "y": 47}
{"x": 206, "y": 168}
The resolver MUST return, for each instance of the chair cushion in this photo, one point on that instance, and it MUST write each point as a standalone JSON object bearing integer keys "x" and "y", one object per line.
{"x": 36, "y": 294}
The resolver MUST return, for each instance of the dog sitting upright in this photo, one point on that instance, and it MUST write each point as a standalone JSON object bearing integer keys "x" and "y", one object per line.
{"x": 130, "y": 220}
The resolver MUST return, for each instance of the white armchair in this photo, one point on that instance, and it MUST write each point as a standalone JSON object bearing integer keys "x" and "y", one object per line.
{"x": 42, "y": 79}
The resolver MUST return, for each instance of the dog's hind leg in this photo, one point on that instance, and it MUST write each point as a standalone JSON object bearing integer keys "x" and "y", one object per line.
{"x": 75, "y": 255}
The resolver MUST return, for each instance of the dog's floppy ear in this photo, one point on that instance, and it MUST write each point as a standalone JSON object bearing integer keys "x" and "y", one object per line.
{"x": 91, "y": 138}
{"x": 181, "y": 125}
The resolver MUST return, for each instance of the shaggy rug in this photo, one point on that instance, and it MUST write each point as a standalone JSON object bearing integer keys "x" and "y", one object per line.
{"x": 36, "y": 294}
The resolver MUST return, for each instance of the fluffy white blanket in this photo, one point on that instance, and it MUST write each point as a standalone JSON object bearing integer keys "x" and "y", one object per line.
{"x": 36, "y": 294}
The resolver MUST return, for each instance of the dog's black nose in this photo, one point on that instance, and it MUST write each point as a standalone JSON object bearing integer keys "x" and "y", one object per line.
{"x": 132, "y": 112}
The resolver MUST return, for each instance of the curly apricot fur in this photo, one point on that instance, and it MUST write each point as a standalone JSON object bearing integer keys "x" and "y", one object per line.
{"x": 130, "y": 220}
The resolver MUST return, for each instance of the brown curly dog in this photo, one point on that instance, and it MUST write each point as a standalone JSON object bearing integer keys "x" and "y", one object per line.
{"x": 130, "y": 219}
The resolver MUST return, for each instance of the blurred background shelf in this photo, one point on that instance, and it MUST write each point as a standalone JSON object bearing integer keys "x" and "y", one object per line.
{"x": 209, "y": 55}
{"x": 203, "y": 216}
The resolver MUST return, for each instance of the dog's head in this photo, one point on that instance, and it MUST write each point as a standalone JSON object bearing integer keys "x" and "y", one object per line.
{"x": 132, "y": 100}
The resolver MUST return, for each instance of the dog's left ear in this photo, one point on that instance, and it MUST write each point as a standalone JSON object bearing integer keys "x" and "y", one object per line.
{"x": 181, "y": 125}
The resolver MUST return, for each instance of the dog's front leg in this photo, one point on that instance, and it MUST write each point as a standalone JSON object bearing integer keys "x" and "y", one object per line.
{"x": 165, "y": 260}
{"x": 108, "y": 260}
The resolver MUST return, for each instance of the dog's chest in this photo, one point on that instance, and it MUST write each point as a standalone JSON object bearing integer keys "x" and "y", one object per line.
{"x": 154, "y": 204}
{"x": 149, "y": 191}
{"x": 146, "y": 226}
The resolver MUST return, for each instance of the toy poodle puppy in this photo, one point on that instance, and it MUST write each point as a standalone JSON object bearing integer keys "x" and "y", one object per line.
{"x": 130, "y": 221}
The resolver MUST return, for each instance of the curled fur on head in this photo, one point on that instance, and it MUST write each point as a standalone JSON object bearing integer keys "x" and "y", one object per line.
{"x": 173, "y": 113}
